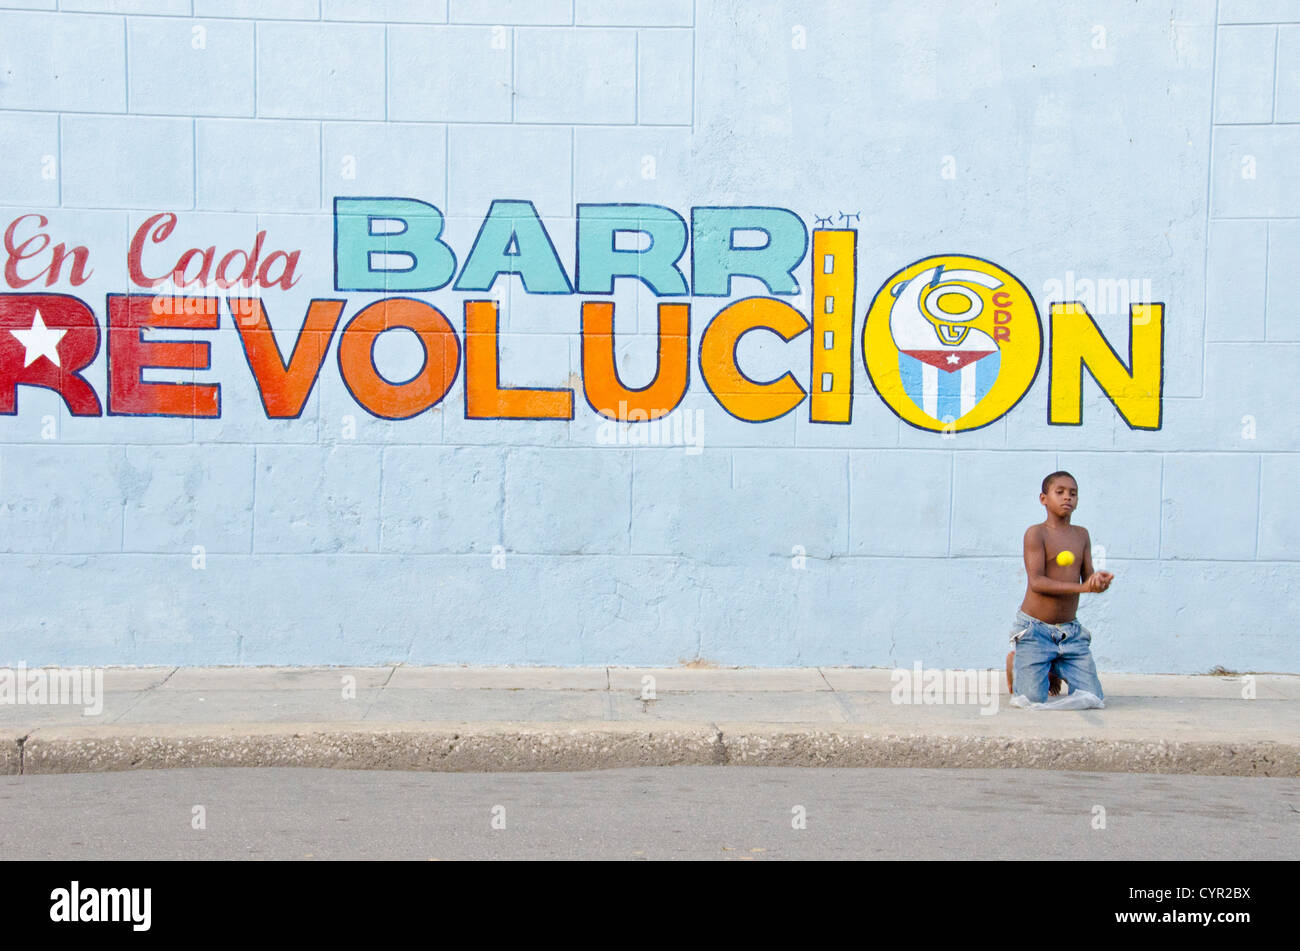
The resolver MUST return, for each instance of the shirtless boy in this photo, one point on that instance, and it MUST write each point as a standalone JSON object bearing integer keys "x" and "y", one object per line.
{"x": 1049, "y": 643}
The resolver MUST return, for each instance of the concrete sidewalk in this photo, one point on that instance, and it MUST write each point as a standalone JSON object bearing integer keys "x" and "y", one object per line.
{"x": 527, "y": 718}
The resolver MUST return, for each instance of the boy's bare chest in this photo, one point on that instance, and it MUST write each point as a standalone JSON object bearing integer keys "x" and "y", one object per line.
{"x": 1070, "y": 539}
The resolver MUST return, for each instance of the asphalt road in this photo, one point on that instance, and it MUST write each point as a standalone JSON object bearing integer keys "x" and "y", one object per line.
{"x": 725, "y": 813}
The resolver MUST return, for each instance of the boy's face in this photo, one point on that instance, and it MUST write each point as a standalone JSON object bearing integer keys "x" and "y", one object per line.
{"x": 1061, "y": 497}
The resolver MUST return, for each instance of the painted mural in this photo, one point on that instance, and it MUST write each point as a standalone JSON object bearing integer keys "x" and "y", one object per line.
{"x": 950, "y": 343}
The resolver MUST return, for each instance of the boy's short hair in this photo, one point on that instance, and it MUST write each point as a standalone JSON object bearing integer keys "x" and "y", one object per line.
{"x": 1057, "y": 475}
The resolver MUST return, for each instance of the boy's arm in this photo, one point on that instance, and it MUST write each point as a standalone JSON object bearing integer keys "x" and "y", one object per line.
{"x": 1036, "y": 568}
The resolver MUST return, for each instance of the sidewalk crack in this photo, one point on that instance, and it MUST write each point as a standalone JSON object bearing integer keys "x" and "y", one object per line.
{"x": 722, "y": 757}
{"x": 365, "y": 714}
{"x": 144, "y": 693}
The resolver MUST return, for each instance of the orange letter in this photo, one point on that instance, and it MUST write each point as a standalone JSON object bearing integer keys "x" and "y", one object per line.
{"x": 284, "y": 387}
{"x": 739, "y": 395}
{"x": 428, "y": 387}
{"x": 129, "y": 354}
{"x": 484, "y": 396}
{"x": 605, "y": 391}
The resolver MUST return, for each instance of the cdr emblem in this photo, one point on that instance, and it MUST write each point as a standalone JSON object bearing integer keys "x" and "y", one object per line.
{"x": 952, "y": 342}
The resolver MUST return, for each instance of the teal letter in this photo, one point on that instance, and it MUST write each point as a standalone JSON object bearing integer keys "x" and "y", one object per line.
{"x": 715, "y": 258}
{"x": 413, "y": 231}
{"x": 599, "y": 262}
{"x": 513, "y": 240}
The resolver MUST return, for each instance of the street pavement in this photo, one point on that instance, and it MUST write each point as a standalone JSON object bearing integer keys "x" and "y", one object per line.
{"x": 710, "y": 812}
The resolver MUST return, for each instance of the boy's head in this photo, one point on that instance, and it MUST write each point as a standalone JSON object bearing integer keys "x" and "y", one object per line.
{"x": 1060, "y": 494}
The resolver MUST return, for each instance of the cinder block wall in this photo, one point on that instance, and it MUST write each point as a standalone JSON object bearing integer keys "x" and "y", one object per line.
{"x": 1095, "y": 140}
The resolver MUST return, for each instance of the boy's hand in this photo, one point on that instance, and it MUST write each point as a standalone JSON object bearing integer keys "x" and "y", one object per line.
{"x": 1099, "y": 581}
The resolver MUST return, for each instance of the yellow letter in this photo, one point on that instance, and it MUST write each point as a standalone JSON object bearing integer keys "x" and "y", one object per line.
{"x": 740, "y": 396}
{"x": 1135, "y": 390}
{"x": 834, "y": 267}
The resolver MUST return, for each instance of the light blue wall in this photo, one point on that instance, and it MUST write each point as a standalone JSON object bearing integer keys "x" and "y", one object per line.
{"x": 1091, "y": 139}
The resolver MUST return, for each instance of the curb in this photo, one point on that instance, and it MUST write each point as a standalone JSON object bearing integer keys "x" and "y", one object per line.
{"x": 418, "y": 747}
{"x": 11, "y": 753}
{"x": 501, "y": 747}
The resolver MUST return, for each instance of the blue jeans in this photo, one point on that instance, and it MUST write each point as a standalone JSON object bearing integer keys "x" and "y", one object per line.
{"x": 1062, "y": 649}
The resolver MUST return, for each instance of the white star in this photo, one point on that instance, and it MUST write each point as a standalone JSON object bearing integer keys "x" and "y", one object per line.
{"x": 954, "y": 359}
{"x": 40, "y": 341}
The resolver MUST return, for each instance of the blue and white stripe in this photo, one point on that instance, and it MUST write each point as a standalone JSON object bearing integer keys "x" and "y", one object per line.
{"x": 944, "y": 395}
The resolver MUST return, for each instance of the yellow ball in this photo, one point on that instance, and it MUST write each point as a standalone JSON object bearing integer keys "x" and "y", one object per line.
{"x": 1065, "y": 559}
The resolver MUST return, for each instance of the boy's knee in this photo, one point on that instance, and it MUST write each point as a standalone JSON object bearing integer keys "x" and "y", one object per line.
{"x": 1037, "y": 694}
{"x": 1029, "y": 686}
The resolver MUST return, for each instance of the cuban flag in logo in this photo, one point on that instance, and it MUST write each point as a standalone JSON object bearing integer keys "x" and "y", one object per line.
{"x": 948, "y": 383}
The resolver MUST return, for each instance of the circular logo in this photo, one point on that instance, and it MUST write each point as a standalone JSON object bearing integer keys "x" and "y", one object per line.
{"x": 952, "y": 342}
